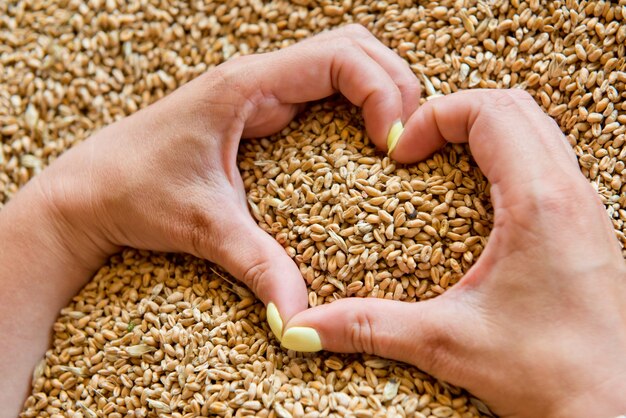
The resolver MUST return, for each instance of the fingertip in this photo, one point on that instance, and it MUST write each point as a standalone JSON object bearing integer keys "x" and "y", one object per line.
{"x": 394, "y": 136}
{"x": 287, "y": 299}
{"x": 333, "y": 324}
{"x": 289, "y": 296}
{"x": 359, "y": 325}
{"x": 420, "y": 138}
{"x": 274, "y": 320}
{"x": 382, "y": 117}
{"x": 303, "y": 339}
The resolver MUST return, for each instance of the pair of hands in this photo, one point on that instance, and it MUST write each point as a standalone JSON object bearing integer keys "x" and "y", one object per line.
{"x": 537, "y": 327}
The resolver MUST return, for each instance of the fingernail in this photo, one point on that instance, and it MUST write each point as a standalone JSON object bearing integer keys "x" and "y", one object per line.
{"x": 394, "y": 135}
{"x": 275, "y": 321}
{"x": 302, "y": 339}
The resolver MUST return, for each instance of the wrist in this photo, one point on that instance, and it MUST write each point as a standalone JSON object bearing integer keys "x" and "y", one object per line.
{"x": 64, "y": 202}
{"x": 44, "y": 261}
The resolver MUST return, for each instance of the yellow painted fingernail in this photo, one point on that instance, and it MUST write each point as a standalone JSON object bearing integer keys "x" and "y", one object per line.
{"x": 275, "y": 321}
{"x": 394, "y": 135}
{"x": 302, "y": 339}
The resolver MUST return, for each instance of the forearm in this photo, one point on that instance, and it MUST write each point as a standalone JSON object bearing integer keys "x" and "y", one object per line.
{"x": 42, "y": 265}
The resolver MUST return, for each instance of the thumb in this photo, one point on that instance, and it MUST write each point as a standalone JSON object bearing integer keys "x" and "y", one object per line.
{"x": 255, "y": 258}
{"x": 416, "y": 333}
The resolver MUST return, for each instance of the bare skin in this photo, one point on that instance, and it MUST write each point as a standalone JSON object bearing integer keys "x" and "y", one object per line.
{"x": 166, "y": 179}
{"x": 537, "y": 327}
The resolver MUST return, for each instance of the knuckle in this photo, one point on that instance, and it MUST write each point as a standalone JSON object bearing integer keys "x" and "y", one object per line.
{"x": 345, "y": 44}
{"x": 519, "y": 95}
{"x": 361, "y": 334}
{"x": 507, "y": 99}
{"x": 356, "y": 30}
{"x": 254, "y": 276}
{"x": 230, "y": 74}
{"x": 224, "y": 73}
{"x": 409, "y": 84}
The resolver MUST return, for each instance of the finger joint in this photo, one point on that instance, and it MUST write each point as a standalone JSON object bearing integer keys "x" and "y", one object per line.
{"x": 361, "y": 333}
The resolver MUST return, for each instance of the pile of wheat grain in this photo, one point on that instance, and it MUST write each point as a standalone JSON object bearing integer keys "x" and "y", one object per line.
{"x": 155, "y": 335}
{"x": 356, "y": 223}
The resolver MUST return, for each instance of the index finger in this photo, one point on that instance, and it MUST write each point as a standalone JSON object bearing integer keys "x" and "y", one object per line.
{"x": 349, "y": 60}
{"x": 512, "y": 140}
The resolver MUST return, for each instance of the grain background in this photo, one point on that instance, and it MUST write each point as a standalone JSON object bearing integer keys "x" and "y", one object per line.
{"x": 168, "y": 335}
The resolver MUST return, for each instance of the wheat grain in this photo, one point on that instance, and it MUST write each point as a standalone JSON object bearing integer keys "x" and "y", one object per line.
{"x": 356, "y": 223}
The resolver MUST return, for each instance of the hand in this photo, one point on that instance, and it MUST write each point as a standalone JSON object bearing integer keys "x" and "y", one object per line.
{"x": 537, "y": 327}
{"x": 166, "y": 179}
